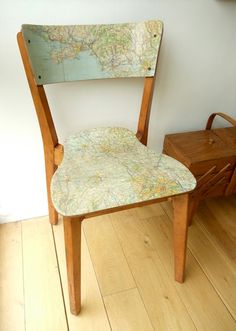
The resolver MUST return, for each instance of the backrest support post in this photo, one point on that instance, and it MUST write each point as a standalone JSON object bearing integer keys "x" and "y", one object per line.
{"x": 56, "y": 53}
{"x": 144, "y": 116}
{"x": 48, "y": 131}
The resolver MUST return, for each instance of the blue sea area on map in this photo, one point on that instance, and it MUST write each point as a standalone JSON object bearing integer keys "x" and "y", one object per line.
{"x": 84, "y": 66}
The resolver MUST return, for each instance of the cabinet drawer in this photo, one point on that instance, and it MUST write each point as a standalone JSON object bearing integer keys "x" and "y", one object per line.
{"x": 202, "y": 167}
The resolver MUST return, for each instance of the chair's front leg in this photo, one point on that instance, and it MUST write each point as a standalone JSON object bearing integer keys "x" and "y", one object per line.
{"x": 72, "y": 234}
{"x": 180, "y": 231}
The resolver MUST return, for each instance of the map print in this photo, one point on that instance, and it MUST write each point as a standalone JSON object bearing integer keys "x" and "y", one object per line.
{"x": 104, "y": 168}
{"x": 80, "y": 52}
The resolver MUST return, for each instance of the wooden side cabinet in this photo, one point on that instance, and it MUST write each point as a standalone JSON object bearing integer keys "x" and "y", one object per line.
{"x": 210, "y": 155}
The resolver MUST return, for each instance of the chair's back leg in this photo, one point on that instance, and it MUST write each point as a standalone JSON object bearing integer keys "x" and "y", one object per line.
{"x": 50, "y": 140}
{"x": 72, "y": 234}
{"x": 180, "y": 233}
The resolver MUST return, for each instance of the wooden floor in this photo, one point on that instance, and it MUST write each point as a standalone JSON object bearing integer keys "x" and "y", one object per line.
{"x": 127, "y": 273}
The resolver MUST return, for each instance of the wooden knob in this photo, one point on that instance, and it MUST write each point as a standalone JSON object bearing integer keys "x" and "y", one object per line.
{"x": 211, "y": 141}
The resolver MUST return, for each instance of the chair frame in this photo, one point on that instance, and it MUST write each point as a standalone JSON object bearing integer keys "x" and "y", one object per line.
{"x": 53, "y": 153}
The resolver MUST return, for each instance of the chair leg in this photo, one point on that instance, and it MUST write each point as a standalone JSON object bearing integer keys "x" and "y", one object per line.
{"x": 50, "y": 169}
{"x": 180, "y": 224}
{"x": 53, "y": 214}
{"x": 193, "y": 205}
{"x": 72, "y": 235}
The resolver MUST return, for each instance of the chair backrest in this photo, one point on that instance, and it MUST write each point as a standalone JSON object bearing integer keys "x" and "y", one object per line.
{"x": 63, "y": 53}
{"x": 54, "y": 54}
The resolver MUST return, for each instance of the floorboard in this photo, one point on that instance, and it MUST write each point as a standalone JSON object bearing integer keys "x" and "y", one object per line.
{"x": 93, "y": 314}
{"x": 127, "y": 312}
{"x": 11, "y": 278}
{"x": 212, "y": 257}
{"x": 44, "y": 308}
{"x": 218, "y": 217}
{"x": 127, "y": 273}
{"x": 111, "y": 267}
{"x": 202, "y": 302}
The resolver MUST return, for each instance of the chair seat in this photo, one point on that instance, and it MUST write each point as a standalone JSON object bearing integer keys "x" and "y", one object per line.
{"x": 108, "y": 167}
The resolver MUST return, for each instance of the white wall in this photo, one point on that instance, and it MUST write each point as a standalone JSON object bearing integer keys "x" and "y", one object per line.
{"x": 197, "y": 75}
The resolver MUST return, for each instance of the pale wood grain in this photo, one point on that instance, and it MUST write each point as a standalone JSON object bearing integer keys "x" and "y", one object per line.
{"x": 11, "y": 278}
{"x": 126, "y": 311}
{"x": 157, "y": 288}
{"x": 147, "y": 211}
{"x": 198, "y": 295}
{"x": 108, "y": 259}
{"x": 203, "y": 302}
{"x": 220, "y": 227}
{"x": 44, "y": 309}
{"x": 216, "y": 265}
{"x": 209, "y": 252}
{"x": 93, "y": 315}
{"x": 218, "y": 217}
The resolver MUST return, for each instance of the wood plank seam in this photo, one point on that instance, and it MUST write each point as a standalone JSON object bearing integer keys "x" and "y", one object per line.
{"x": 60, "y": 278}
{"x": 206, "y": 275}
{"x": 167, "y": 273}
{"x": 86, "y": 241}
{"x": 209, "y": 236}
{"x": 221, "y": 252}
{"x": 145, "y": 307}
{"x": 212, "y": 284}
{"x": 23, "y": 270}
{"x": 205, "y": 272}
{"x": 118, "y": 292}
{"x": 132, "y": 275}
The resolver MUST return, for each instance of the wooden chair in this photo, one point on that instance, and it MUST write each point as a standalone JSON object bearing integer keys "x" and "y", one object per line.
{"x": 102, "y": 170}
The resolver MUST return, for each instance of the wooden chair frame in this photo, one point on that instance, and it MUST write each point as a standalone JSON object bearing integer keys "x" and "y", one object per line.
{"x": 53, "y": 152}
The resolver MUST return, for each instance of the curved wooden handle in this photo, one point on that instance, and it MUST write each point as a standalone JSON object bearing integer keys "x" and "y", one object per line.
{"x": 226, "y": 117}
